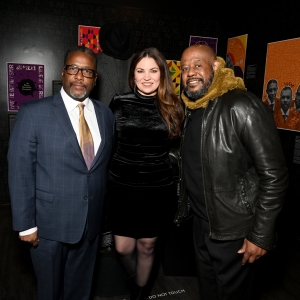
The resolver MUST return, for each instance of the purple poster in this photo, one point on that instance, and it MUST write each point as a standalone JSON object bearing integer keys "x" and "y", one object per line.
{"x": 25, "y": 82}
{"x": 212, "y": 42}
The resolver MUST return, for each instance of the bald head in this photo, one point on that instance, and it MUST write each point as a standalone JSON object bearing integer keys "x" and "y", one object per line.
{"x": 203, "y": 50}
{"x": 198, "y": 64}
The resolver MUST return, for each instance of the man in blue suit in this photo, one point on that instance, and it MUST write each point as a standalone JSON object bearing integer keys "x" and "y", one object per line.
{"x": 56, "y": 199}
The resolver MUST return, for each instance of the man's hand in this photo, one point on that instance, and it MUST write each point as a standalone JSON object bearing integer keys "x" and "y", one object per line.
{"x": 31, "y": 238}
{"x": 251, "y": 252}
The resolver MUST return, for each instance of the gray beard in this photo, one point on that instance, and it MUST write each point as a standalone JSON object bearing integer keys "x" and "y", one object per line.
{"x": 78, "y": 96}
{"x": 202, "y": 91}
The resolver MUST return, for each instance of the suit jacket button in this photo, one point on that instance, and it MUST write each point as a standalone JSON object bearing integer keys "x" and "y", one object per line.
{"x": 85, "y": 198}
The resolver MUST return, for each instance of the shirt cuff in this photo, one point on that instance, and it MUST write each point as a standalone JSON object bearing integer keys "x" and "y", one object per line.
{"x": 29, "y": 231}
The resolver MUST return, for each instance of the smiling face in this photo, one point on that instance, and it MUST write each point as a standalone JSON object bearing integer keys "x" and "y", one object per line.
{"x": 77, "y": 86}
{"x": 198, "y": 65}
{"x": 147, "y": 76}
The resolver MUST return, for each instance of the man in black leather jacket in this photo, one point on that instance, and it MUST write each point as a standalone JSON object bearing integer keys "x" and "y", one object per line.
{"x": 233, "y": 175}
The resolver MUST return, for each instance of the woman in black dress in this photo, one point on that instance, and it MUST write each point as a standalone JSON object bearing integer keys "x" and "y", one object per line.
{"x": 140, "y": 177}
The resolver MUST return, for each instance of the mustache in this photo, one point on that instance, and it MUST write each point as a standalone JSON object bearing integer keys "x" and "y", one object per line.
{"x": 77, "y": 83}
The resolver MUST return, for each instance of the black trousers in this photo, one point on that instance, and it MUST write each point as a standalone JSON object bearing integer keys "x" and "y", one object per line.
{"x": 220, "y": 272}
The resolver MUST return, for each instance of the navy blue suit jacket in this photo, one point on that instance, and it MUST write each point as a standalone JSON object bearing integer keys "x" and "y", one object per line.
{"x": 50, "y": 185}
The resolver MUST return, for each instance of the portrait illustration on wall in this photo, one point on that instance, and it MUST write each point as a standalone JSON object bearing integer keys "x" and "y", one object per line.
{"x": 281, "y": 91}
{"x": 236, "y": 54}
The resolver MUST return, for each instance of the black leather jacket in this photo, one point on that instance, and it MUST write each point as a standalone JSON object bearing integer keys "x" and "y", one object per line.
{"x": 244, "y": 170}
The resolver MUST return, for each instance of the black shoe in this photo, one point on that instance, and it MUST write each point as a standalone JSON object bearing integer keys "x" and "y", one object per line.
{"x": 139, "y": 293}
{"x": 130, "y": 282}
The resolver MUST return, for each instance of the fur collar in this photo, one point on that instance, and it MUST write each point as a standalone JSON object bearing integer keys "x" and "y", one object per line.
{"x": 223, "y": 81}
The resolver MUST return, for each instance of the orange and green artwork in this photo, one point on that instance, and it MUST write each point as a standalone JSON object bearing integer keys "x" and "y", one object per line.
{"x": 236, "y": 54}
{"x": 174, "y": 68}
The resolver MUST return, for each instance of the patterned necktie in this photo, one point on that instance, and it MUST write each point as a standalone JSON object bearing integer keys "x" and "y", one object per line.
{"x": 85, "y": 138}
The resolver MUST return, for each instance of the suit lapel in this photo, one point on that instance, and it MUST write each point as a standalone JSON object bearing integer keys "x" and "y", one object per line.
{"x": 65, "y": 122}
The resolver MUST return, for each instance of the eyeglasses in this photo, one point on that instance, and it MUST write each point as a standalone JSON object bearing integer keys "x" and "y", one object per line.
{"x": 73, "y": 70}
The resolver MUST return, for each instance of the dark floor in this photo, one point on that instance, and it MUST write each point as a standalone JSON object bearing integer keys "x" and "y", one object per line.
{"x": 173, "y": 275}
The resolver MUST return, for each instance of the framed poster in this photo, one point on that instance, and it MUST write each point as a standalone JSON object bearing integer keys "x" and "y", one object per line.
{"x": 88, "y": 36}
{"x": 236, "y": 54}
{"x": 25, "y": 82}
{"x": 281, "y": 91}
{"x": 56, "y": 86}
{"x": 174, "y": 68}
{"x": 209, "y": 41}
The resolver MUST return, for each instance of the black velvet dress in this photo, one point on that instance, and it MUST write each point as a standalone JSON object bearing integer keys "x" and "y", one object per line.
{"x": 140, "y": 177}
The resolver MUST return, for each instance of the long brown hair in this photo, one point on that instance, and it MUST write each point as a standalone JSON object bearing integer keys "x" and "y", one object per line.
{"x": 169, "y": 105}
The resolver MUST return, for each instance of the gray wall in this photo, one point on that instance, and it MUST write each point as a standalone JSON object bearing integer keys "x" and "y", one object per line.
{"x": 40, "y": 32}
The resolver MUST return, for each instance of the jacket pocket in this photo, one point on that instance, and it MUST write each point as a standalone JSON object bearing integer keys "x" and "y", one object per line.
{"x": 44, "y": 196}
{"x": 247, "y": 195}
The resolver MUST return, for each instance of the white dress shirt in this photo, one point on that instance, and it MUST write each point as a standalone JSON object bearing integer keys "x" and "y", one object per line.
{"x": 285, "y": 114}
{"x": 271, "y": 103}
